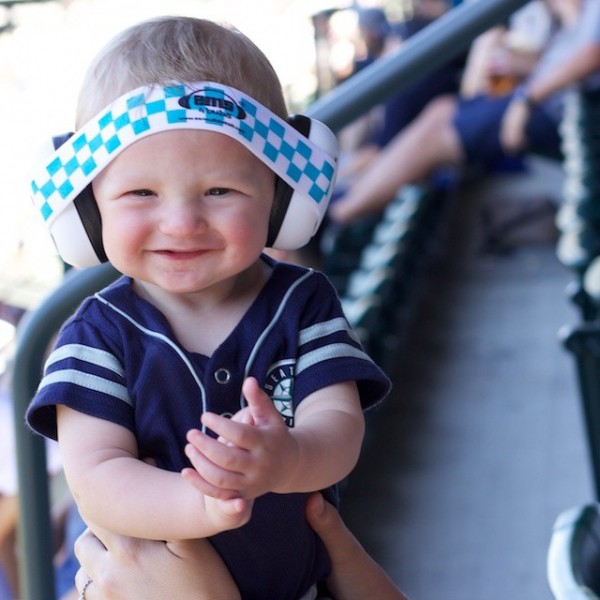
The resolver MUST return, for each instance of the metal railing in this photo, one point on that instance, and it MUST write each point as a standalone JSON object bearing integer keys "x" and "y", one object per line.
{"x": 34, "y": 335}
{"x": 439, "y": 42}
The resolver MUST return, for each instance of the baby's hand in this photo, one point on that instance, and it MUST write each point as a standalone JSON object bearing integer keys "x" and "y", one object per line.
{"x": 226, "y": 510}
{"x": 193, "y": 477}
{"x": 258, "y": 456}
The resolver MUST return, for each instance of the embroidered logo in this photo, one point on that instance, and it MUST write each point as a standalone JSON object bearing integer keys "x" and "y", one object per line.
{"x": 214, "y": 103}
{"x": 279, "y": 384}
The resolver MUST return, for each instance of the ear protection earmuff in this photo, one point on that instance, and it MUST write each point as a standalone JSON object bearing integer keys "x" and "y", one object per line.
{"x": 293, "y": 220}
{"x": 77, "y": 231}
{"x": 302, "y": 152}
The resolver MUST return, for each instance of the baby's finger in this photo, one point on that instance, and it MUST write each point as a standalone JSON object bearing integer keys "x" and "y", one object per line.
{"x": 241, "y": 434}
{"x": 261, "y": 407}
{"x": 216, "y": 466}
{"x": 203, "y": 486}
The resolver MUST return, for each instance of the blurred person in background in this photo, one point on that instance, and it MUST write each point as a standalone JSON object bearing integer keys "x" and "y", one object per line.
{"x": 486, "y": 129}
{"x": 365, "y": 138}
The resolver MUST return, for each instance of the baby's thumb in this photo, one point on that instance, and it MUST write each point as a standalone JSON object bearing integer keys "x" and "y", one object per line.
{"x": 260, "y": 405}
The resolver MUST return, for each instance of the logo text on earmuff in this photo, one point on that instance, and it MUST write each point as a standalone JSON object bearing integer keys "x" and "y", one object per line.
{"x": 214, "y": 103}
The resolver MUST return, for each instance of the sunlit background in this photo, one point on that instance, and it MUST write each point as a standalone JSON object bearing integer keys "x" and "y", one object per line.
{"x": 45, "y": 48}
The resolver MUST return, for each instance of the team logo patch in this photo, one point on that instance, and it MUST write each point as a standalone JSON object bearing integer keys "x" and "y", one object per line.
{"x": 279, "y": 384}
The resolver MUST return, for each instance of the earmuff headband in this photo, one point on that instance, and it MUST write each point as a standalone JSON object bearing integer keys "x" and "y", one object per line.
{"x": 209, "y": 106}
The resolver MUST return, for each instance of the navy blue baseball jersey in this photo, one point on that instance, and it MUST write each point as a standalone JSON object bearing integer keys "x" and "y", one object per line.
{"x": 117, "y": 359}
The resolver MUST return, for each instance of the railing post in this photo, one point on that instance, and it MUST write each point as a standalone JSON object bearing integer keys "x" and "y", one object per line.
{"x": 36, "y": 573}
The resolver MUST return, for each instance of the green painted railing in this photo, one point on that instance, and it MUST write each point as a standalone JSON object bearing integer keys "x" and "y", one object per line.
{"x": 34, "y": 335}
{"x": 441, "y": 41}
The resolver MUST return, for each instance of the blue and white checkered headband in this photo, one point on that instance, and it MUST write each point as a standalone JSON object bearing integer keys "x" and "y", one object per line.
{"x": 204, "y": 105}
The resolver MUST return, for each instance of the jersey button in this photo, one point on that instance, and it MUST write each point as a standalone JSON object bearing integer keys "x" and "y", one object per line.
{"x": 222, "y": 376}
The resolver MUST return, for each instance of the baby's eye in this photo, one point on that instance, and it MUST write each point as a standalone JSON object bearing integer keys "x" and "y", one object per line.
{"x": 217, "y": 191}
{"x": 142, "y": 193}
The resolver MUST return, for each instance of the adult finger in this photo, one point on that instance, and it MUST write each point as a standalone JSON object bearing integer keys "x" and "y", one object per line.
{"x": 354, "y": 575}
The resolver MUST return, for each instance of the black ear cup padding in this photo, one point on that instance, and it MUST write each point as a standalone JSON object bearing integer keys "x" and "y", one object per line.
{"x": 59, "y": 140}
{"x": 300, "y": 123}
{"x": 87, "y": 208}
{"x": 283, "y": 195}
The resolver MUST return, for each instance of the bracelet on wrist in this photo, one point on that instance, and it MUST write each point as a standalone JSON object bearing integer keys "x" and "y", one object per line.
{"x": 521, "y": 93}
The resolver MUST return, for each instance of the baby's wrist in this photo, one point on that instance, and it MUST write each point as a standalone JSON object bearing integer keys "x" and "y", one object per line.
{"x": 225, "y": 515}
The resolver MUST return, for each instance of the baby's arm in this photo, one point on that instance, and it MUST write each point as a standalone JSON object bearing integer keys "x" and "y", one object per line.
{"x": 117, "y": 491}
{"x": 320, "y": 450}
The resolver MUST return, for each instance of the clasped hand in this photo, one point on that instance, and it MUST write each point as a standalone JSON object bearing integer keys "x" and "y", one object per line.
{"x": 255, "y": 452}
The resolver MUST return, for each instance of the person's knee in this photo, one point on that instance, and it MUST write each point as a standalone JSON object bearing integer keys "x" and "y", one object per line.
{"x": 437, "y": 136}
{"x": 440, "y": 111}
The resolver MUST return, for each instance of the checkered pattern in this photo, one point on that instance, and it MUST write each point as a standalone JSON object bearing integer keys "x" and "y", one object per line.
{"x": 207, "y": 106}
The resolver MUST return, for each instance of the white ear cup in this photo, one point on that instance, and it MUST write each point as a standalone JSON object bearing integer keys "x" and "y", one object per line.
{"x": 303, "y": 215}
{"x": 68, "y": 231}
{"x": 71, "y": 239}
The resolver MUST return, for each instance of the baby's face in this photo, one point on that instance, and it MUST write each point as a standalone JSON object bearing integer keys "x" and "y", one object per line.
{"x": 184, "y": 210}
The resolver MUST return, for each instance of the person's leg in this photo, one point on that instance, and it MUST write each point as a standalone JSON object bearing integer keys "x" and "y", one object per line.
{"x": 429, "y": 142}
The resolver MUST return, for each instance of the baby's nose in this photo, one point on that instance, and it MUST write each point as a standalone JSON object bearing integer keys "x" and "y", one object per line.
{"x": 183, "y": 219}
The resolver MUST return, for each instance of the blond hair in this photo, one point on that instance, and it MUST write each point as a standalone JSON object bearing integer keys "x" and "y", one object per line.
{"x": 178, "y": 49}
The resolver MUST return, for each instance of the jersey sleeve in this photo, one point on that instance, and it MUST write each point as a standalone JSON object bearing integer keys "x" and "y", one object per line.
{"x": 84, "y": 372}
{"x": 330, "y": 352}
